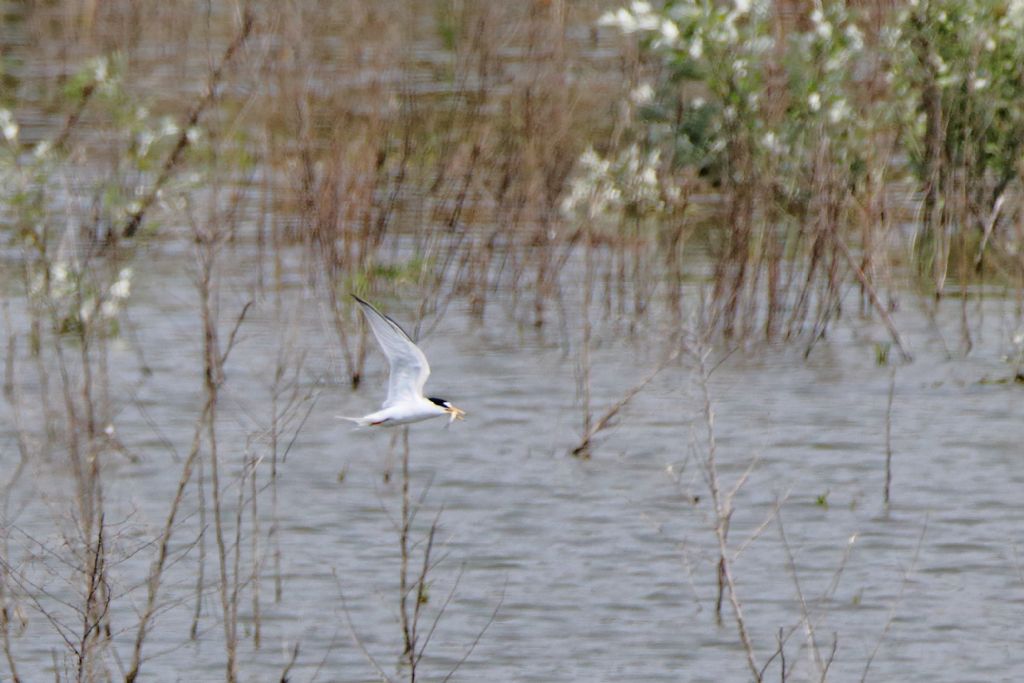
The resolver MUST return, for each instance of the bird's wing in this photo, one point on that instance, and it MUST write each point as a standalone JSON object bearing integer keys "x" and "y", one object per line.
{"x": 408, "y": 366}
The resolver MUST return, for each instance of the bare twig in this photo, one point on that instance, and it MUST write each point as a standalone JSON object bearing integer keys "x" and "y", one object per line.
{"x": 290, "y": 664}
{"x": 896, "y": 602}
{"x": 582, "y": 449}
{"x": 897, "y": 338}
{"x": 355, "y": 634}
{"x": 888, "y": 437}
{"x": 479, "y": 636}
{"x": 804, "y": 612}
{"x": 135, "y": 218}
{"x": 722, "y": 505}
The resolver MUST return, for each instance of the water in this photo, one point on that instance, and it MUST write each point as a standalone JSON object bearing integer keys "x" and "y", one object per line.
{"x": 591, "y": 570}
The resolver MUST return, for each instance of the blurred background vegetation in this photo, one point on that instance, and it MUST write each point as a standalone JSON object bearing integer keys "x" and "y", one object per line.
{"x": 779, "y": 152}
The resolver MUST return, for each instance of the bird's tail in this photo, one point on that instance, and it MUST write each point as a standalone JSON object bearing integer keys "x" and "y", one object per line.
{"x": 360, "y": 421}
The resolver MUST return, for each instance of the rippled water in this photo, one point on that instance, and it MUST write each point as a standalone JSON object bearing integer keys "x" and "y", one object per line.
{"x": 594, "y": 570}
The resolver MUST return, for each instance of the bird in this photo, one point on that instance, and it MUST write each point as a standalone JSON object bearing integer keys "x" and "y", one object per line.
{"x": 408, "y": 372}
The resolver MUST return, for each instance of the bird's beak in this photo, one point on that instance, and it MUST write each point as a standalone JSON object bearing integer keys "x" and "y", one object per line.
{"x": 456, "y": 414}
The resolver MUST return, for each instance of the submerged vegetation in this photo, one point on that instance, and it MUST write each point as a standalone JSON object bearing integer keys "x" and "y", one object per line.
{"x": 715, "y": 174}
{"x": 796, "y": 152}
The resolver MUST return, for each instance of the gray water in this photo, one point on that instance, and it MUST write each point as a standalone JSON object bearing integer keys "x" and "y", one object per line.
{"x": 596, "y": 570}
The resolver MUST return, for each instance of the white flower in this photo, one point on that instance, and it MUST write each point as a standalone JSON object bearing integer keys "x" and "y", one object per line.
{"x": 771, "y": 142}
{"x": 725, "y": 33}
{"x": 839, "y": 111}
{"x": 122, "y": 288}
{"x": 620, "y": 19}
{"x": 37, "y": 286}
{"x": 61, "y": 284}
{"x": 742, "y": 7}
{"x": 761, "y": 44}
{"x": 8, "y": 125}
{"x": 980, "y": 83}
{"x": 821, "y": 27}
{"x": 855, "y": 37}
{"x": 642, "y": 94}
{"x": 593, "y": 162}
{"x": 99, "y": 70}
{"x": 42, "y": 149}
{"x": 145, "y": 140}
{"x": 697, "y": 102}
{"x": 591, "y": 190}
{"x": 641, "y": 18}
{"x": 669, "y": 31}
{"x": 890, "y": 37}
{"x": 1015, "y": 13}
{"x": 696, "y": 50}
{"x": 814, "y": 101}
{"x": 168, "y": 127}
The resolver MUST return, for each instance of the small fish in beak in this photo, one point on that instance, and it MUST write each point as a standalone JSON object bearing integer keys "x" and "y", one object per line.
{"x": 456, "y": 414}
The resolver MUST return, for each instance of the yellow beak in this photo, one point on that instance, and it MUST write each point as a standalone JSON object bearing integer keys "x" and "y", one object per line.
{"x": 456, "y": 414}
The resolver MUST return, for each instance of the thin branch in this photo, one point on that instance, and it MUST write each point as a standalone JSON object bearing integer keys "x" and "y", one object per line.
{"x": 479, "y": 636}
{"x": 355, "y": 634}
{"x": 135, "y": 218}
{"x": 805, "y": 615}
{"x": 604, "y": 421}
{"x": 888, "y": 438}
{"x": 899, "y": 596}
{"x": 873, "y": 295}
{"x": 290, "y": 664}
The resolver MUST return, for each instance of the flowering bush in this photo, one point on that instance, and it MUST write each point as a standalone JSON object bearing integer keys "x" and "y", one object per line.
{"x": 628, "y": 182}
{"x": 963, "y": 65}
{"x": 734, "y": 88}
{"x": 66, "y": 286}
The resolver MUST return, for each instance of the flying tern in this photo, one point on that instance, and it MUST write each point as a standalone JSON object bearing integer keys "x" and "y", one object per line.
{"x": 408, "y": 372}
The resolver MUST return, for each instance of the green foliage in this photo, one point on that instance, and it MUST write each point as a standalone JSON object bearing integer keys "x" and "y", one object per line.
{"x": 736, "y": 101}
{"x": 736, "y": 87}
{"x": 75, "y": 294}
{"x": 963, "y": 64}
{"x": 882, "y": 353}
{"x": 447, "y": 22}
{"x": 395, "y": 275}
